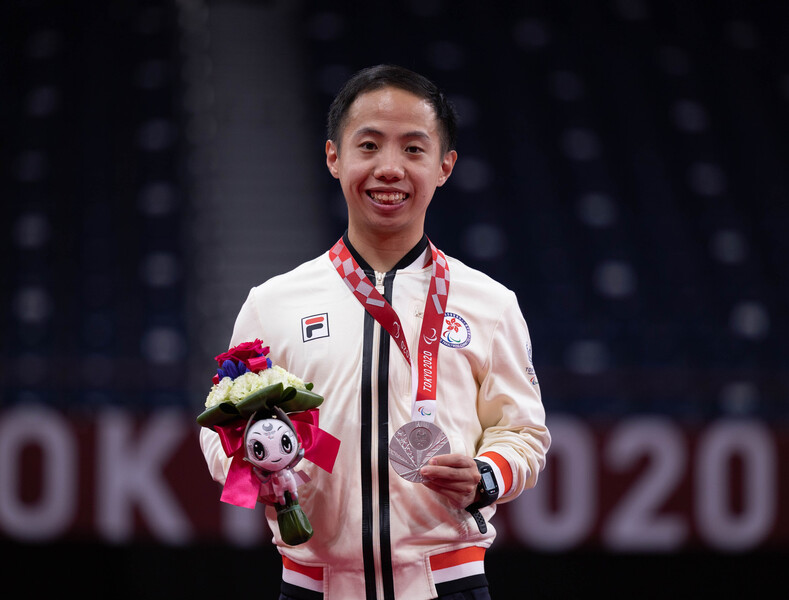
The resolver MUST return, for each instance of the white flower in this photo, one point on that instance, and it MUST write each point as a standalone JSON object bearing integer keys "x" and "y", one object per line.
{"x": 235, "y": 390}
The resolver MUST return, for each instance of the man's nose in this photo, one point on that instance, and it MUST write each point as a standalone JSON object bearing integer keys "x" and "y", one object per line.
{"x": 389, "y": 166}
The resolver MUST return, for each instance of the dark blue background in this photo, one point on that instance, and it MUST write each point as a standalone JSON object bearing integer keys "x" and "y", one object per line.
{"x": 623, "y": 168}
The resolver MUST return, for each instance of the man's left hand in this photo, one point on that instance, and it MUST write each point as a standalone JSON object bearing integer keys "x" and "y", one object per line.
{"x": 454, "y": 476}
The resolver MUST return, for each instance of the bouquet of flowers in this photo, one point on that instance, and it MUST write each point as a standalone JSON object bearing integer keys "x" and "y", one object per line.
{"x": 261, "y": 411}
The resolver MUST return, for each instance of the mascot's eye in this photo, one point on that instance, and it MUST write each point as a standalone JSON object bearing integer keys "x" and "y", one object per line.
{"x": 287, "y": 444}
{"x": 259, "y": 450}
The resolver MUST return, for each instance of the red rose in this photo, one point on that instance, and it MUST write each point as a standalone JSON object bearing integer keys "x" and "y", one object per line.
{"x": 243, "y": 352}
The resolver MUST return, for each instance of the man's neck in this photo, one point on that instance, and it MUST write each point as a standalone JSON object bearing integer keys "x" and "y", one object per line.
{"x": 382, "y": 254}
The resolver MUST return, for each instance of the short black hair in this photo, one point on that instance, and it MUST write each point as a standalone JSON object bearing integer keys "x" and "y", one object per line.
{"x": 381, "y": 76}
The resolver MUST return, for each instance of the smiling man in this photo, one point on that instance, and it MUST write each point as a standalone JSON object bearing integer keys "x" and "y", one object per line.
{"x": 389, "y": 157}
{"x": 424, "y": 364}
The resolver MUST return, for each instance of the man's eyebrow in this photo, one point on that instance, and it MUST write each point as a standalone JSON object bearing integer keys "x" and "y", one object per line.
{"x": 409, "y": 134}
{"x": 366, "y": 131}
{"x": 416, "y": 134}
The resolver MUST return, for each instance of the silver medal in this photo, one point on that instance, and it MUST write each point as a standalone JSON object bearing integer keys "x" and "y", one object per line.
{"x": 413, "y": 445}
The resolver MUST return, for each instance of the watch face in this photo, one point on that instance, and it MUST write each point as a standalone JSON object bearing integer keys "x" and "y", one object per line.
{"x": 488, "y": 481}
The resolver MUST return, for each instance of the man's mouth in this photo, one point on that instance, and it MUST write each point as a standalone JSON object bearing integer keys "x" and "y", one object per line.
{"x": 388, "y": 197}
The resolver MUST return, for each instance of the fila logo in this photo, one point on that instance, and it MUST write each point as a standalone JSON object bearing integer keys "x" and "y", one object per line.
{"x": 314, "y": 327}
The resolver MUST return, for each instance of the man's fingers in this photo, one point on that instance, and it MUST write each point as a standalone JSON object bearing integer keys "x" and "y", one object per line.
{"x": 452, "y": 468}
{"x": 453, "y": 460}
{"x": 445, "y": 473}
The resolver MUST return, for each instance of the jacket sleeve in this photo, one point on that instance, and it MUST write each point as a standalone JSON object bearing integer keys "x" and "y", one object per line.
{"x": 247, "y": 328}
{"x": 515, "y": 439}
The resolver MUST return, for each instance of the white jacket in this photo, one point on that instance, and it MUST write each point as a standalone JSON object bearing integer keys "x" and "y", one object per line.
{"x": 376, "y": 534}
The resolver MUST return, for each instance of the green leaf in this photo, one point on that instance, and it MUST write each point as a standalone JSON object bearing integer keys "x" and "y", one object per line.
{"x": 288, "y": 399}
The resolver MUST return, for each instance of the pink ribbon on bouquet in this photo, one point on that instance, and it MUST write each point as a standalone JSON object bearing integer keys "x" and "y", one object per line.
{"x": 242, "y": 486}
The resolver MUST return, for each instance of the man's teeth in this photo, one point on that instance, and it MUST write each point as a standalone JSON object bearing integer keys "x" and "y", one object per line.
{"x": 388, "y": 197}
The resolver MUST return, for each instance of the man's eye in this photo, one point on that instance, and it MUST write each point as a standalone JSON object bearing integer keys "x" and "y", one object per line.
{"x": 413, "y": 149}
{"x": 367, "y": 146}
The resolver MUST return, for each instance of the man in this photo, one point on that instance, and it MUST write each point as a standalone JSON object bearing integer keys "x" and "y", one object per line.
{"x": 424, "y": 365}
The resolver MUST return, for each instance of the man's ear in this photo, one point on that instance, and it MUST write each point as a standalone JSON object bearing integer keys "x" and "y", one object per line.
{"x": 332, "y": 155}
{"x": 447, "y": 164}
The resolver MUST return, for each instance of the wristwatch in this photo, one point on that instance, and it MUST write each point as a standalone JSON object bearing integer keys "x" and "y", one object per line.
{"x": 488, "y": 491}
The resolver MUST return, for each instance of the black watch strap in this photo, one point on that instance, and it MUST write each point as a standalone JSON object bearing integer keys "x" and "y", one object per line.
{"x": 488, "y": 490}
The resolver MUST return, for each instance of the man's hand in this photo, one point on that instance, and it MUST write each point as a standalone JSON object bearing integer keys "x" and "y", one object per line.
{"x": 454, "y": 476}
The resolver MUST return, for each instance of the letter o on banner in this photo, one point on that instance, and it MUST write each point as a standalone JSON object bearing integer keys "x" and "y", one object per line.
{"x": 722, "y": 526}
{"x": 539, "y": 525}
{"x": 53, "y": 510}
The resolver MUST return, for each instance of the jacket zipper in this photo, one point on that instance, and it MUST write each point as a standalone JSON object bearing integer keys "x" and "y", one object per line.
{"x": 374, "y": 456}
{"x": 376, "y": 363}
{"x": 379, "y": 456}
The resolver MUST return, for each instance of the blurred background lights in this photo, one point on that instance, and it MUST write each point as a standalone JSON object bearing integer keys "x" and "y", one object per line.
{"x": 532, "y": 33}
{"x": 485, "y": 241}
{"x": 32, "y": 304}
{"x": 597, "y": 210}
{"x": 674, "y": 61}
{"x": 474, "y": 176}
{"x": 615, "y": 279}
{"x": 32, "y": 230}
{"x": 466, "y": 108}
{"x": 43, "y": 101}
{"x": 690, "y": 116}
{"x": 157, "y": 199}
{"x": 707, "y": 179}
{"x": 729, "y": 246}
{"x": 587, "y": 357}
{"x": 740, "y": 398}
{"x": 580, "y": 143}
{"x": 750, "y": 320}
{"x": 163, "y": 345}
{"x": 160, "y": 269}
{"x": 157, "y": 134}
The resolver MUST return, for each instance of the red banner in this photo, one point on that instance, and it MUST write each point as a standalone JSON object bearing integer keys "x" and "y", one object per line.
{"x": 640, "y": 484}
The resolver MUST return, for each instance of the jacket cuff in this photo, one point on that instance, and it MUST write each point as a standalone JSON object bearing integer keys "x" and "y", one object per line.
{"x": 501, "y": 470}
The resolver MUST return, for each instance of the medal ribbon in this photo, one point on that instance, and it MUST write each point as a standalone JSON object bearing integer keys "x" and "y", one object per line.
{"x": 424, "y": 371}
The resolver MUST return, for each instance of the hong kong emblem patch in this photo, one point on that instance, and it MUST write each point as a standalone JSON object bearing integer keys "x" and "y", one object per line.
{"x": 456, "y": 333}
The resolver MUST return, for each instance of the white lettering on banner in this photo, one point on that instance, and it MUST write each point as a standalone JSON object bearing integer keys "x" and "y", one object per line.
{"x": 722, "y": 526}
{"x": 427, "y": 371}
{"x": 130, "y": 473}
{"x": 243, "y": 527}
{"x": 642, "y": 484}
{"x": 539, "y": 525}
{"x": 53, "y": 511}
{"x": 636, "y": 523}
{"x": 639, "y": 519}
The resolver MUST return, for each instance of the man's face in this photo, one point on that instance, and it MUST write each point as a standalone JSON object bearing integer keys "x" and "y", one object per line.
{"x": 389, "y": 163}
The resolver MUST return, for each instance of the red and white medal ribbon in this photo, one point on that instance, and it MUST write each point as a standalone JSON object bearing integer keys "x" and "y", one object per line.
{"x": 424, "y": 369}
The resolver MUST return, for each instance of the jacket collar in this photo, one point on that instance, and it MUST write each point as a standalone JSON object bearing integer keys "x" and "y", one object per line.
{"x": 416, "y": 258}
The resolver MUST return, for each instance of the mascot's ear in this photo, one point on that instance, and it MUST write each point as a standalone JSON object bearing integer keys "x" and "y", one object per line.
{"x": 284, "y": 418}
{"x": 249, "y": 423}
